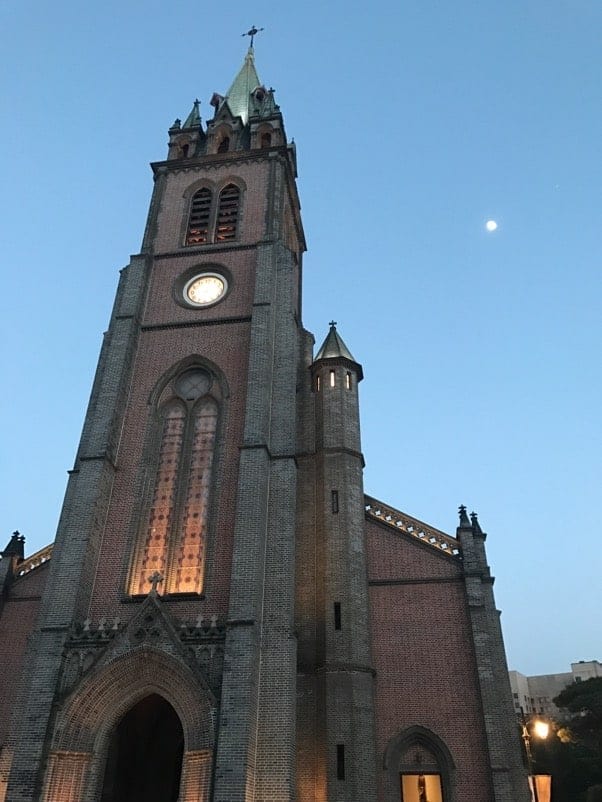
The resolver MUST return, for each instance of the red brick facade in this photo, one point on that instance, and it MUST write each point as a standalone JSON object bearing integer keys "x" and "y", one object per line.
{"x": 335, "y": 644}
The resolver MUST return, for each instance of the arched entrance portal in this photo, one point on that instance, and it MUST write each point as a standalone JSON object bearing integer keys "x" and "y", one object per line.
{"x": 144, "y": 762}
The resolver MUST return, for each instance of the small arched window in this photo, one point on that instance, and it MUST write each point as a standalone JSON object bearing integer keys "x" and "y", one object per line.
{"x": 224, "y": 145}
{"x": 198, "y": 221}
{"x": 173, "y": 539}
{"x": 266, "y": 140}
{"x": 227, "y": 213}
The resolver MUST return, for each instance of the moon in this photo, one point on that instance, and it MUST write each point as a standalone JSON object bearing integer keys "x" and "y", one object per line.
{"x": 491, "y": 225}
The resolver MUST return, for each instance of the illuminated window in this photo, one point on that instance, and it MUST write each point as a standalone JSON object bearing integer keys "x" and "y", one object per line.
{"x": 227, "y": 213}
{"x": 318, "y": 384}
{"x": 198, "y": 220}
{"x": 332, "y": 379}
{"x": 348, "y": 380}
{"x": 173, "y": 540}
{"x": 209, "y": 221}
{"x": 421, "y": 788}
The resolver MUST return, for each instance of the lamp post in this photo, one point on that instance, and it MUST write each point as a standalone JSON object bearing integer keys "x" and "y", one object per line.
{"x": 541, "y": 729}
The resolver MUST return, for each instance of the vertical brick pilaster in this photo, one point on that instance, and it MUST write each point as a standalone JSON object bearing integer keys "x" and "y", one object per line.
{"x": 503, "y": 742}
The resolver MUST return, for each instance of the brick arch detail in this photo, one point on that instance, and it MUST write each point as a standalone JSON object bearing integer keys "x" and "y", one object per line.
{"x": 417, "y": 735}
{"x": 109, "y": 692}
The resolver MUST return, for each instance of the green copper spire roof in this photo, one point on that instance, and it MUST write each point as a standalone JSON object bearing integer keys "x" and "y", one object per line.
{"x": 194, "y": 118}
{"x": 239, "y": 94}
{"x": 333, "y": 346}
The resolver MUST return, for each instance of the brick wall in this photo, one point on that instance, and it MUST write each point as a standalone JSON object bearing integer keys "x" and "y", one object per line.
{"x": 423, "y": 655}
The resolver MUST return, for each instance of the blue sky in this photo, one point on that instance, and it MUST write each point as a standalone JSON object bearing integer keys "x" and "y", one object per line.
{"x": 415, "y": 122}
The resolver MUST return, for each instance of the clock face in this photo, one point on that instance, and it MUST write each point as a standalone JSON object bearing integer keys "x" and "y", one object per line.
{"x": 205, "y": 289}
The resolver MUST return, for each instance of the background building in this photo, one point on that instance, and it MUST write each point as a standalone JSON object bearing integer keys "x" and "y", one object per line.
{"x": 224, "y": 614}
{"x": 535, "y": 695}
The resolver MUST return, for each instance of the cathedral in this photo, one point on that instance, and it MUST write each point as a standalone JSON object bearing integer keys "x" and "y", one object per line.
{"x": 225, "y": 616}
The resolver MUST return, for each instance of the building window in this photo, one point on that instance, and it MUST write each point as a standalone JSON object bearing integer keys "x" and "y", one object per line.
{"x": 340, "y": 761}
{"x": 210, "y": 222}
{"x": 337, "y": 615}
{"x": 173, "y": 539}
{"x": 317, "y": 384}
{"x": 348, "y": 380}
{"x": 266, "y": 140}
{"x": 227, "y": 214}
{"x": 334, "y": 500}
{"x": 224, "y": 145}
{"x": 332, "y": 378}
{"x": 421, "y": 788}
{"x": 198, "y": 220}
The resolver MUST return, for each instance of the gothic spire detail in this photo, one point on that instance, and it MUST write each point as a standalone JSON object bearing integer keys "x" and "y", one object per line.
{"x": 238, "y": 96}
{"x": 194, "y": 118}
{"x": 464, "y": 522}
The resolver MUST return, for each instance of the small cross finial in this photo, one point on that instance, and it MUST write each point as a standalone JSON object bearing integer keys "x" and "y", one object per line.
{"x": 332, "y": 324}
{"x": 155, "y": 579}
{"x": 252, "y": 33}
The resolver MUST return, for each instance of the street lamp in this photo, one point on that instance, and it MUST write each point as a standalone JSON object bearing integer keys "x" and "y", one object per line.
{"x": 541, "y": 729}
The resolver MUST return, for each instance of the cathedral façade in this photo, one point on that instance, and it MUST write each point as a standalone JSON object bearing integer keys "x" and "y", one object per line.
{"x": 225, "y": 616}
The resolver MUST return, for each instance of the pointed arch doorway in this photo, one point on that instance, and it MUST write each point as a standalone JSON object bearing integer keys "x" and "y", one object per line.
{"x": 144, "y": 761}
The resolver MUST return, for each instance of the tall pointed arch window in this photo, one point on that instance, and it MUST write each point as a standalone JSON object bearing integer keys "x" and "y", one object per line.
{"x": 173, "y": 538}
{"x": 198, "y": 220}
{"x": 227, "y": 213}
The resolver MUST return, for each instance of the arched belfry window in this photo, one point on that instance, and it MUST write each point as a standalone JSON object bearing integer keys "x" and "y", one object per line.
{"x": 174, "y": 534}
{"x": 213, "y": 217}
{"x": 198, "y": 220}
{"x": 227, "y": 213}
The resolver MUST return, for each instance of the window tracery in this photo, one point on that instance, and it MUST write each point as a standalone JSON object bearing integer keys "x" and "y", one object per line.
{"x": 173, "y": 540}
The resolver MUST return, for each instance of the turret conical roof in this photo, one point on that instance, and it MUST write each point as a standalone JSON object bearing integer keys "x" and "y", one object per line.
{"x": 333, "y": 346}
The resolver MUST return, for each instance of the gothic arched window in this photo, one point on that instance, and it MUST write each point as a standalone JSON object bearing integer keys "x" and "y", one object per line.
{"x": 173, "y": 538}
{"x": 224, "y": 145}
{"x": 227, "y": 213}
{"x": 198, "y": 219}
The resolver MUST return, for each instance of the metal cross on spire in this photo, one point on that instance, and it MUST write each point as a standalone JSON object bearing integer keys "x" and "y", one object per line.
{"x": 253, "y": 33}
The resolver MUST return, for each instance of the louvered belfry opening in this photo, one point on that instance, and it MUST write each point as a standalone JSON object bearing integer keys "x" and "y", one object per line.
{"x": 198, "y": 223}
{"x": 227, "y": 213}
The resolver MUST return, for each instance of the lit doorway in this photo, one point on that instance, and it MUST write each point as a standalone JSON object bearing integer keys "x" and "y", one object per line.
{"x": 418, "y": 787}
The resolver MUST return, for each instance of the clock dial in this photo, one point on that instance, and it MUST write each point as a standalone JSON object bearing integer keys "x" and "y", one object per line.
{"x": 205, "y": 289}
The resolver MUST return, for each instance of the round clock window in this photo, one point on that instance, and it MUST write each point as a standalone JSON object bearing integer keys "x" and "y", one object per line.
{"x": 205, "y": 289}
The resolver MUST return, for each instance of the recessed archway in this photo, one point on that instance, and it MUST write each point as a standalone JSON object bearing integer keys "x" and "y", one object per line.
{"x": 144, "y": 761}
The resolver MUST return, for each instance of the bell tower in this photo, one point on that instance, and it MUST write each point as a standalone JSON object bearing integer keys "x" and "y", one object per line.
{"x": 175, "y": 547}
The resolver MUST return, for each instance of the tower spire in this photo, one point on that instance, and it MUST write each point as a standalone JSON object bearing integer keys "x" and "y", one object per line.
{"x": 238, "y": 96}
